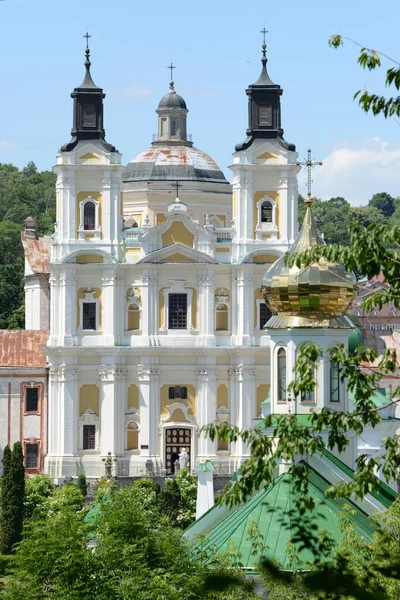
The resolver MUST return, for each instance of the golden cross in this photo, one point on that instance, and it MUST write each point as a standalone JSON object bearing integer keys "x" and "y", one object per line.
{"x": 309, "y": 163}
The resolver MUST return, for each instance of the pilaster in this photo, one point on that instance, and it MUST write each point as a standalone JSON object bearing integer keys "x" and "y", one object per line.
{"x": 206, "y": 408}
{"x": 205, "y": 278}
{"x": 149, "y": 409}
{"x": 112, "y": 409}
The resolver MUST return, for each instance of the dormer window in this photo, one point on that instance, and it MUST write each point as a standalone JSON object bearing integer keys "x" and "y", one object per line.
{"x": 89, "y": 216}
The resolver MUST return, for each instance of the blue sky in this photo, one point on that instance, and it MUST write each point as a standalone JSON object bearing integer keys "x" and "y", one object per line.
{"x": 216, "y": 47}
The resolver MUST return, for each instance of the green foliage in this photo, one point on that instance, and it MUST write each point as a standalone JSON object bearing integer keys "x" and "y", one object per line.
{"x": 37, "y": 490}
{"x": 384, "y": 203}
{"x": 23, "y": 193}
{"x": 81, "y": 484}
{"x": 12, "y": 497}
{"x": 66, "y": 497}
{"x": 371, "y": 59}
{"x": 102, "y": 487}
{"x": 178, "y": 499}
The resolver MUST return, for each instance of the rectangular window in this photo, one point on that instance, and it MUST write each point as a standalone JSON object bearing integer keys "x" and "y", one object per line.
{"x": 89, "y": 437}
{"x": 89, "y": 315}
{"x": 334, "y": 383}
{"x": 177, "y": 392}
{"x": 32, "y": 400}
{"x": 31, "y": 456}
{"x": 265, "y": 114}
{"x": 177, "y": 311}
{"x": 265, "y": 314}
{"x": 308, "y": 396}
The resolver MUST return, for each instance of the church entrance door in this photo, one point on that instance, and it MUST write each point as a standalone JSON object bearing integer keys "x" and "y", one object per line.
{"x": 176, "y": 438}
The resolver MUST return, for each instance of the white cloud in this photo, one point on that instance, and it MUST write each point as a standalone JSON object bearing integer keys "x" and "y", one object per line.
{"x": 136, "y": 90}
{"x": 357, "y": 169}
{"x": 6, "y": 145}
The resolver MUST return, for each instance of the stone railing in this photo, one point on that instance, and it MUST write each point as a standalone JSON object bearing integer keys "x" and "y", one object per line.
{"x": 224, "y": 234}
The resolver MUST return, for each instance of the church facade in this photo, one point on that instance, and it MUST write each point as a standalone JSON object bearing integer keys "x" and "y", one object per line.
{"x": 152, "y": 293}
{"x": 156, "y": 314}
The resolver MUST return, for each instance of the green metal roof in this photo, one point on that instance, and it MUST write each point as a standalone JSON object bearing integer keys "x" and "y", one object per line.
{"x": 355, "y": 340}
{"x": 273, "y": 512}
{"x": 384, "y": 493}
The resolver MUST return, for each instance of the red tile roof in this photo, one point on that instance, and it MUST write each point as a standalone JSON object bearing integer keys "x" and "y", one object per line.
{"x": 37, "y": 252}
{"x": 21, "y": 348}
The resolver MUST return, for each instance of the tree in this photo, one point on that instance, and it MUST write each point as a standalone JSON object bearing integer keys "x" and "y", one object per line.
{"x": 37, "y": 490}
{"x": 371, "y": 59}
{"x": 12, "y": 497}
{"x": 384, "y": 203}
{"x": 82, "y": 485}
{"x": 368, "y": 215}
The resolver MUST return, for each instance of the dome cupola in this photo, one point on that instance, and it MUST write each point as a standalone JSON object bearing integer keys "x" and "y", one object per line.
{"x": 315, "y": 296}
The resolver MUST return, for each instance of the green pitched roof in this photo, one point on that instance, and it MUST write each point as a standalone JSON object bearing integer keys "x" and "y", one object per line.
{"x": 273, "y": 512}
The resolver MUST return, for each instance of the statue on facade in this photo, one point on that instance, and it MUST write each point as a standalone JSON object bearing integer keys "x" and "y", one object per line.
{"x": 183, "y": 458}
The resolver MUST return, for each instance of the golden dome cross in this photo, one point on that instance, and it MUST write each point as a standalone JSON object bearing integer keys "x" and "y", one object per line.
{"x": 309, "y": 163}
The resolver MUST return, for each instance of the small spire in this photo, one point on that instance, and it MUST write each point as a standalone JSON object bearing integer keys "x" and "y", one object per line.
{"x": 87, "y": 80}
{"x": 171, "y": 67}
{"x": 264, "y": 48}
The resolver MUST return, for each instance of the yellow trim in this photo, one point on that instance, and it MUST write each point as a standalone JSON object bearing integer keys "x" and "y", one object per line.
{"x": 262, "y": 259}
{"x": 177, "y": 234}
{"x": 83, "y": 259}
{"x": 133, "y": 397}
{"x": 89, "y": 398}
{"x": 177, "y": 258}
{"x": 160, "y": 218}
{"x": 89, "y": 155}
{"x": 267, "y": 155}
{"x": 222, "y": 396}
{"x": 262, "y": 394}
{"x": 165, "y": 401}
{"x": 234, "y": 205}
{"x": 222, "y": 249}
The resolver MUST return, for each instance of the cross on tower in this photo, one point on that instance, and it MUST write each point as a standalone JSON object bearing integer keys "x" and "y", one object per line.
{"x": 171, "y": 67}
{"x": 176, "y": 185}
{"x": 264, "y": 31}
{"x": 309, "y": 163}
{"x": 87, "y": 36}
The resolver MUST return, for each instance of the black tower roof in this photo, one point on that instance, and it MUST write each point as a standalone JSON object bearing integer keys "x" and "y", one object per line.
{"x": 88, "y": 112}
{"x": 264, "y": 109}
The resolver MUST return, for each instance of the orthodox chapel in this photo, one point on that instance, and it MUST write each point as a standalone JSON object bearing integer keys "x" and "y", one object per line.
{"x": 152, "y": 292}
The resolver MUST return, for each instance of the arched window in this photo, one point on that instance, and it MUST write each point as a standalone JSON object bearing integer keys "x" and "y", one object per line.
{"x": 89, "y": 216}
{"x": 266, "y": 212}
{"x": 281, "y": 370}
{"x": 334, "y": 383}
{"x": 173, "y": 127}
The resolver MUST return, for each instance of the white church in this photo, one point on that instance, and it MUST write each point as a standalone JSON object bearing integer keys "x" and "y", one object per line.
{"x": 154, "y": 301}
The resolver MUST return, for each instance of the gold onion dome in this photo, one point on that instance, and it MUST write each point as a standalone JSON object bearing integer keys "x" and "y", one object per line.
{"x": 314, "y": 296}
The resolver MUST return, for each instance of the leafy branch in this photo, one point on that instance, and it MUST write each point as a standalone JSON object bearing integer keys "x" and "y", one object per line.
{"x": 371, "y": 59}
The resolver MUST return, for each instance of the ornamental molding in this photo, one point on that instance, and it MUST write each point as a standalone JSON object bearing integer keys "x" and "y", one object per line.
{"x": 148, "y": 373}
{"x": 178, "y": 406}
{"x": 110, "y": 373}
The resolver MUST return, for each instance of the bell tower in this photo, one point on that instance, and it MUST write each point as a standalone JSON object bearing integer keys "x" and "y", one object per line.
{"x": 88, "y": 178}
{"x": 264, "y": 173}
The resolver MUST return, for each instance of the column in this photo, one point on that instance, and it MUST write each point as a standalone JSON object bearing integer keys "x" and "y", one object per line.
{"x": 109, "y": 280}
{"x": 54, "y": 309}
{"x": 149, "y": 409}
{"x": 243, "y": 388}
{"x": 67, "y": 411}
{"x": 112, "y": 409}
{"x": 106, "y": 209}
{"x": 245, "y": 303}
{"x": 285, "y": 213}
{"x": 68, "y": 280}
{"x": 206, "y": 409}
{"x": 205, "y": 278}
{"x": 149, "y": 314}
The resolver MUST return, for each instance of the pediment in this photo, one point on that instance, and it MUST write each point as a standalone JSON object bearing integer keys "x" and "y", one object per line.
{"x": 177, "y": 253}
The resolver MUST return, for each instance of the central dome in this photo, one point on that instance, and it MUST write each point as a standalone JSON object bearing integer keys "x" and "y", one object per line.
{"x": 314, "y": 296}
{"x": 173, "y": 163}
